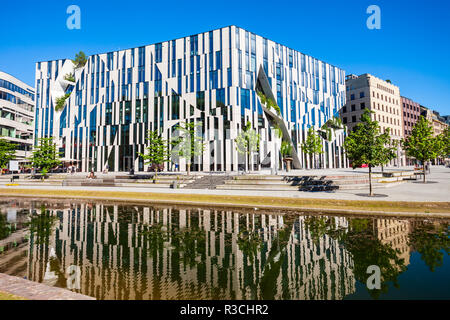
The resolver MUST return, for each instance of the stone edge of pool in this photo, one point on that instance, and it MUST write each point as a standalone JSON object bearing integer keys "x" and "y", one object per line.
{"x": 53, "y": 194}
{"x": 29, "y": 290}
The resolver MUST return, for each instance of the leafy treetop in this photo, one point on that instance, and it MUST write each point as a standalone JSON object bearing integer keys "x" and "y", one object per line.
{"x": 157, "y": 149}
{"x": 80, "y": 60}
{"x": 7, "y": 152}
{"x": 313, "y": 143}
{"x": 365, "y": 145}
{"x": 45, "y": 155}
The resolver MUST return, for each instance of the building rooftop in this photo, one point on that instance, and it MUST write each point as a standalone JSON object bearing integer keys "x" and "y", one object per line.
{"x": 228, "y": 26}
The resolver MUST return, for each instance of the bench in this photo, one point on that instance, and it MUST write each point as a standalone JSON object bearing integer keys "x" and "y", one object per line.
{"x": 418, "y": 173}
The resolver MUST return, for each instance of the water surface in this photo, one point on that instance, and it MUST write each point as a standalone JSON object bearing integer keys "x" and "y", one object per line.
{"x": 163, "y": 252}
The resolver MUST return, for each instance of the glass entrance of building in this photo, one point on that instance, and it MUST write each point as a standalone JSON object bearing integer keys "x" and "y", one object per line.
{"x": 127, "y": 163}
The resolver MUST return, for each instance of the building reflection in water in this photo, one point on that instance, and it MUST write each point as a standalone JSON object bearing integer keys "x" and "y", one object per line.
{"x": 167, "y": 253}
{"x": 395, "y": 233}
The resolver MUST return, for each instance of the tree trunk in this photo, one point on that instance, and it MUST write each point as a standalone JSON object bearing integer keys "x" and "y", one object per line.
{"x": 247, "y": 159}
{"x": 370, "y": 181}
{"x": 188, "y": 169}
{"x": 424, "y": 171}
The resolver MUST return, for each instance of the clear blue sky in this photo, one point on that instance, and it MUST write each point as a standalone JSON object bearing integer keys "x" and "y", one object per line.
{"x": 412, "y": 48}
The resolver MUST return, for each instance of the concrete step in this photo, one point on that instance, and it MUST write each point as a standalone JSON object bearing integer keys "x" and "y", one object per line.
{"x": 257, "y": 187}
{"x": 256, "y": 182}
{"x": 258, "y": 177}
{"x": 148, "y": 185}
{"x": 208, "y": 182}
{"x": 323, "y": 187}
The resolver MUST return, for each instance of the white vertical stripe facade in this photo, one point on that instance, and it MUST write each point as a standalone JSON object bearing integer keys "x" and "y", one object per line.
{"x": 209, "y": 78}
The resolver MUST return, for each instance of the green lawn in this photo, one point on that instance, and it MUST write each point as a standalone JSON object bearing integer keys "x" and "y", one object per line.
{"x": 249, "y": 201}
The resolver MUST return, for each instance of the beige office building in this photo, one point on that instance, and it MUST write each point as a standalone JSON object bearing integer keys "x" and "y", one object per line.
{"x": 379, "y": 96}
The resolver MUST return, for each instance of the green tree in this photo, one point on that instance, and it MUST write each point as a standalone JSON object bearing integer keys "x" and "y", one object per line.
{"x": 421, "y": 144}
{"x": 69, "y": 77}
{"x": 7, "y": 152}
{"x": 445, "y": 141}
{"x": 365, "y": 145}
{"x": 45, "y": 156}
{"x": 332, "y": 125}
{"x": 80, "y": 60}
{"x": 312, "y": 146}
{"x": 61, "y": 101}
{"x": 268, "y": 102}
{"x": 157, "y": 151}
{"x": 186, "y": 143}
{"x": 247, "y": 142}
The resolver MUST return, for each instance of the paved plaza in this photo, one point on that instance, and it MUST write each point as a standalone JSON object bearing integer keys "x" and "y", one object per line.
{"x": 438, "y": 188}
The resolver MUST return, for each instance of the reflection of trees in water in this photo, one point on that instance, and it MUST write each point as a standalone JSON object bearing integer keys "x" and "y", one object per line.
{"x": 165, "y": 253}
{"x": 360, "y": 240}
{"x": 249, "y": 243}
{"x": 368, "y": 250}
{"x": 275, "y": 260}
{"x": 431, "y": 241}
{"x": 6, "y": 228}
{"x": 41, "y": 226}
{"x": 186, "y": 254}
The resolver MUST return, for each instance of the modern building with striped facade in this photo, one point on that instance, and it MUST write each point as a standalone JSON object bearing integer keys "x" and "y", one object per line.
{"x": 17, "y": 114}
{"x": 210, "y": 78}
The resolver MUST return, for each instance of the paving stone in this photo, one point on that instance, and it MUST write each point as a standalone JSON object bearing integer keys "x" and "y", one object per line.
{"x": 36, "y": 291}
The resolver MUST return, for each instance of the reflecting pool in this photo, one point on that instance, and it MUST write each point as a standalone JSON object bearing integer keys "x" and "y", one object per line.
{"x": 116, "y": 251}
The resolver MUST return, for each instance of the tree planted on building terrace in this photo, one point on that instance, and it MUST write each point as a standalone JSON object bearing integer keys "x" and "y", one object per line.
{"x": 422, "y": 145}
{"x": 366, "y": 145}
{"x": 80, "y": 60}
